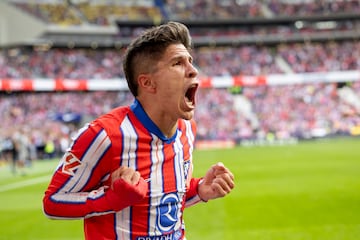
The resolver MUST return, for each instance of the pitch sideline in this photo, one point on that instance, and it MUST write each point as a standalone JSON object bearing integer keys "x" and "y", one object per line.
{"x": 24, "y": 183}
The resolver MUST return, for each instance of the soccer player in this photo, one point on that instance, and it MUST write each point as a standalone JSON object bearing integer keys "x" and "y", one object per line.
{"x": 128, "y": 174}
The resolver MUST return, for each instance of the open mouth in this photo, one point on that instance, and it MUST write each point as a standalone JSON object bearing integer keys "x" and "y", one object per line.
{"x": 190, "y": 95}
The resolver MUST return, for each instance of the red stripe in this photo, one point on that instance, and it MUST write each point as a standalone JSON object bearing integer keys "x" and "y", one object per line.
{"x": 143, "y": 164}
{"x": 144, "y": 139}
{"x": 70, "y": 84}
{"x": 249, "y": 80}
{"x": 93, "y": 225}
{"x": 185, "y": 141}
{"x": 168, "y": 170}
{"x": 205, "y": 82}
{"x": 83, "y": 142}
{"x": 16, "y": 85}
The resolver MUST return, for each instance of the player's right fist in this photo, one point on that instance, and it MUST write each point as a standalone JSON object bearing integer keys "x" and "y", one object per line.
{"x": 129, "y": 175}
{"x": 127, "y": 188}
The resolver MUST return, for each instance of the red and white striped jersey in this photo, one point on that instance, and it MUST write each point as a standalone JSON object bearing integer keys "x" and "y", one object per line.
{"x": 126, "y": 136}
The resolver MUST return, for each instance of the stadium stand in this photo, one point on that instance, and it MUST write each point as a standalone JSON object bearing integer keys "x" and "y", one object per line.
{"x": 98, "y": 12}
{"x": 250, "y": 60}
{"x": 280, "y": 70}
{"x": 101, "y": 12}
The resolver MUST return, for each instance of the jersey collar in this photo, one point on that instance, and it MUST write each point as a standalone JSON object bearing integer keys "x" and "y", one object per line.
{"x": 140, "y": 113}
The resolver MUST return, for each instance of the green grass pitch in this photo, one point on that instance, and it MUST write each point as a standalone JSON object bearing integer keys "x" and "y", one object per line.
{"x": 307, "y": 191}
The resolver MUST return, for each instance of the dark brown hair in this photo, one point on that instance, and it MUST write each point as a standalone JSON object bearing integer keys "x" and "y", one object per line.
{"x": 149, "y": 47}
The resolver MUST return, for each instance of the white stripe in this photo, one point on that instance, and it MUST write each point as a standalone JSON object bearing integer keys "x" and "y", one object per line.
{"x": 156, "y": 184}
{"x": 179, "y": 165}
{"x": 128, "y": 156}
{"x": 180, "y": 175}
{"x": 78, "y": 134}
{"x": 91, "y": 158}
{"x": 157, "y": 160}
{"x": 25, "y": 183}
{"x": 123, "y": 224}
{"x": 190, "y": 136}
{"x": 130, "y": 140}
{"x": 81, "y": 176}
{"x": 196, "y": 199}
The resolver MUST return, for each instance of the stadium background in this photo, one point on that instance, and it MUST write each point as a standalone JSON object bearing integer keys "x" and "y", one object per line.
{"x": 276, "y": 72}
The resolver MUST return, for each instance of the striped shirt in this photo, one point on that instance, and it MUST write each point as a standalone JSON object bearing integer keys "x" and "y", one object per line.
{"x": 126, "y": 136}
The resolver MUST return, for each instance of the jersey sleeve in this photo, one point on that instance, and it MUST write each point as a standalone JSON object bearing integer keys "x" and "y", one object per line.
{"x": 192, "y": 196}
{"x": 74, "y": 190}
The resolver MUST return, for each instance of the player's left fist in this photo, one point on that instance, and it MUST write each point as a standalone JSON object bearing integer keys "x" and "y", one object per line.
{"x": 217, "y": 182}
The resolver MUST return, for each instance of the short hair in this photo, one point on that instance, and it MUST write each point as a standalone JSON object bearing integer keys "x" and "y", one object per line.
{"x": 149, "y": 47}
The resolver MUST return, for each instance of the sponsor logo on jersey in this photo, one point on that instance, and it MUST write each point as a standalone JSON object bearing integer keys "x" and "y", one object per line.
{"x": 167, "y": 212}
{"x": 70, "y": 164}
{"x": 172, "y": 236}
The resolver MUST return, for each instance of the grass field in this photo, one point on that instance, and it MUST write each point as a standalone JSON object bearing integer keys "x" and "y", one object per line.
{"x": 299, "y": 192}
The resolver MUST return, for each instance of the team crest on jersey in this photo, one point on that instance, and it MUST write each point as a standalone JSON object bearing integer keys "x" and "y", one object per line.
{"x": 70, "y": 164}
{"x": 168, "y": 212}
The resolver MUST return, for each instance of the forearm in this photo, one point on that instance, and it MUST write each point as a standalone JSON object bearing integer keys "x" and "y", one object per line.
{"x": 97, "y": 202}
{"x": 76, "y": 205}
{"x": 192, "y": 196}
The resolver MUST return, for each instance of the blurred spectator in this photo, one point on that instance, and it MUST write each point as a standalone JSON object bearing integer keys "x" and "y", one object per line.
{"x": 322, "y": 57}
{"x": 212, "y": 61}
{"x": 69, "y": 13}
{"x": 35, "y": 114}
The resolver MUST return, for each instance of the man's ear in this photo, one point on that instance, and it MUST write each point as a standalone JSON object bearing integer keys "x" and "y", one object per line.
{"x": 146, "y": 83}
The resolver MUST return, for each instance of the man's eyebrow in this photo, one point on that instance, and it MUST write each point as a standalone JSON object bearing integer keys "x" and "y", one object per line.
{"x": 180, "y": 57}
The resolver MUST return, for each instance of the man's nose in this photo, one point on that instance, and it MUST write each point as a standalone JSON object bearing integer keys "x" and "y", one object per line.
{"x": 193, "y": 72}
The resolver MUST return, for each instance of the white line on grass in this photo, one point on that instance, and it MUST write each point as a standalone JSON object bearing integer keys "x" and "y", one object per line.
{"x": 24, "y": 183}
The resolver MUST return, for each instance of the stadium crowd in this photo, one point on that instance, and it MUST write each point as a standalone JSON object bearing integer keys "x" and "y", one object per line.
{"x": 212, "y": 61}
{"x": 40, "y": 125}
{"x": 48, "y": 120}
{"x": 322, "y": 57}
{"x": 60, "y": 63}
{"x": 64, "y": 12}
